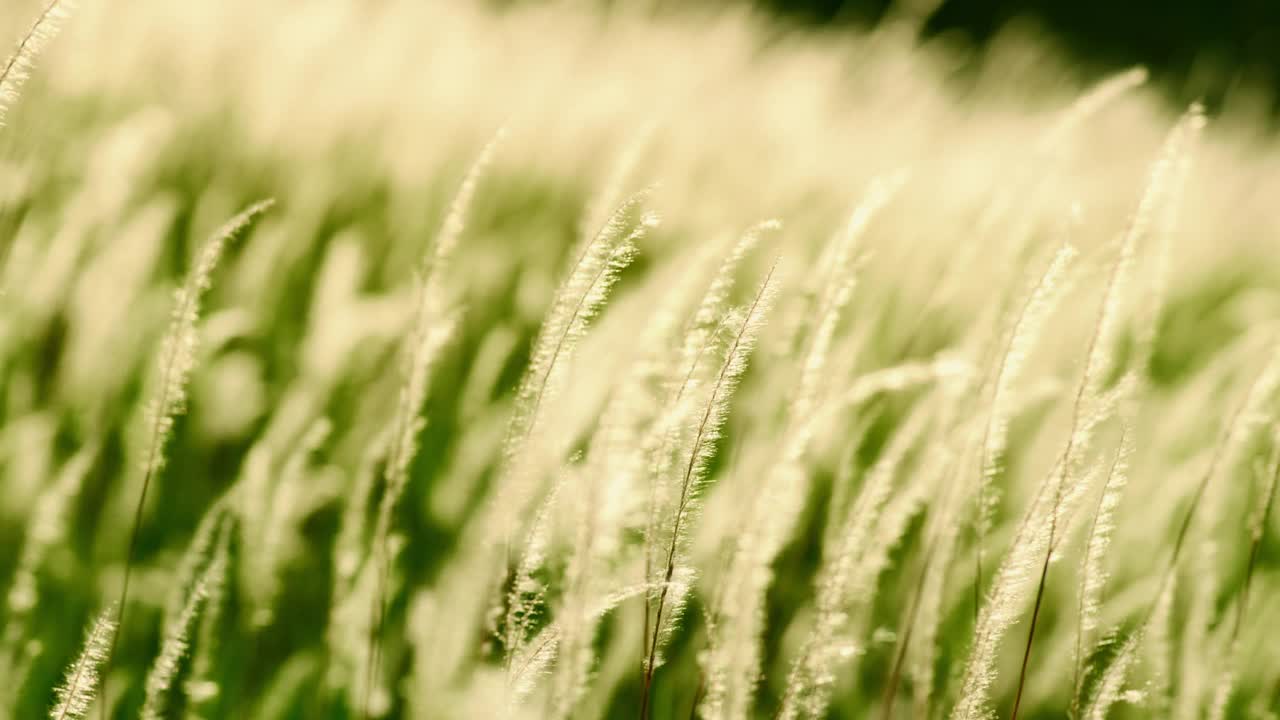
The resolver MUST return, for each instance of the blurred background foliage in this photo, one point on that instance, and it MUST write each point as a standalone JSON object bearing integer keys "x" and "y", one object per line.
{"x": 1196, "y": 49}
{"x": 148, "y": 123}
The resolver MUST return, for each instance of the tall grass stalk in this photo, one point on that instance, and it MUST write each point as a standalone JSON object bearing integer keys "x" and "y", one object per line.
{"x": 703, "y": 330}
{"x": 733, "y": 666}
{"x": 1099, "y": 351}
{"x": 579, "y": 298}
{"x": 622, "y": 453}
{"x": 847, "y": 575}
{"x": 707, "y": 430}
{"x": 1040, "y": 531}
{"x": 177, "y": 359}
{"x": 431, "y": 329}
{"x": 1023, "y": 336}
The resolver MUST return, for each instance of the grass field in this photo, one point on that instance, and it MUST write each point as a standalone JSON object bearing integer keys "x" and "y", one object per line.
{"x": 423, "y": 360}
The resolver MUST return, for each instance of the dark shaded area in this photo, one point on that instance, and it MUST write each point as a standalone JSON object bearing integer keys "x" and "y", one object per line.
{"x": 1194, "y": 48}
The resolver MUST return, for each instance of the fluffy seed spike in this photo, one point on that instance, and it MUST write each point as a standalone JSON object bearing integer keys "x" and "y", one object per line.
{"x": 177, "y": 359}
{"x": 709, "y": 320}
{"x": 677, "y": 574}
{"x": 1111, "y": 683}
{"x": 78, "y": 690}
{"x": 847, "y": 578}
{"x": 201, "y": 687}
{"x": 1088, "y": 105}
{"x": 17, "y": 69}
{"x": 579, "y": 298}
{"x": 1022, "y": 339}
{"x": 455, "y": 220}
{"x": 839, "y": 290}
{"x": 177, "y": 637}
{"x": 1092, "y": 405}
{"x": 711, "y": 311}
{"x": 733, "y": 677}
{"x": 178, "y": 348}
{"x": 525, "y": 604}
{"x": 204, "y": 544}
{"x": 1092, "y": 573}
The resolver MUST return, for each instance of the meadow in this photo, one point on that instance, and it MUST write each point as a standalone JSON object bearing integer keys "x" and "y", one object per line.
{"x": 569, "y": 360}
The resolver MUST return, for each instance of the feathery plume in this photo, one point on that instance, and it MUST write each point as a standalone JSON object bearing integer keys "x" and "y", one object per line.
{"x": 1111, "y": 683}
{"x": 178, "y": 348}
{"x": 732, "y": 675}
{"x": 525, "y": 601}
{"x": 177, "y": 633}
{"x": 1088, "y": 105}
{"x": 597, "y": 211}
{"x": 1023, "y": 336}
{"x": 838, "y": 291}
{"x": 709, "y": 317}
{"x": 579, "y": 298}
{"x": 705, "y": 328}
{"x": 1092, "y": 573}
{"x": 205, "y": 543}
{"x": 177, "y": 359}
{"x": 1158, "y": 616}
{"x": 846, "y": 577}
{"x": 17, "y": 69}
{"x": 537, "y": 655}
{"x": 1090, "y": 396}
{"x": 201, "y": 687}
{"x": 455, "y": 220}
{"x": 78, "y": 690}
{"x": 676, "y": 574}
{"x": 620, "y": 458}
